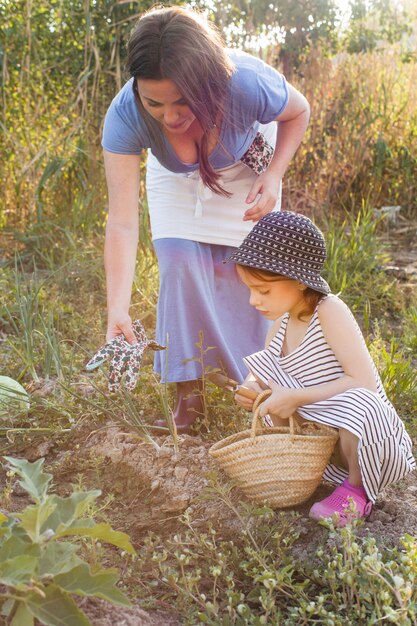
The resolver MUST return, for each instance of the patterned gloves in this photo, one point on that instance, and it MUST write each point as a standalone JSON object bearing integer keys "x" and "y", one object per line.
{"x": 124, "y": 358}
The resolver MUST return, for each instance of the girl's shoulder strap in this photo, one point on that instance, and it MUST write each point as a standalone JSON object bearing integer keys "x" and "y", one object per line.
{"x": 277, "y": 334}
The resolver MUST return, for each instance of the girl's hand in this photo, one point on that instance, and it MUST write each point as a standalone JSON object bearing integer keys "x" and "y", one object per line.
{"x": 247, "y": 403}
{"x": 283, "y": 402}
{"x": 120, "y": 323}
{"x": 267, "y": 186}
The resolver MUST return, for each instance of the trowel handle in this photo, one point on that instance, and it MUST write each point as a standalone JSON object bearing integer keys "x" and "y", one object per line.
{"x": 247, "y": 393}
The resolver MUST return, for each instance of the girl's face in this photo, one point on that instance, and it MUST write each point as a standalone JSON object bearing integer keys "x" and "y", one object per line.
{"x": 273, "y": 298}
{"x": 164, "y": 102}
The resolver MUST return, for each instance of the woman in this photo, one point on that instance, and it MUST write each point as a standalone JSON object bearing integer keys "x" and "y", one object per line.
{"x": 208, "y": 117}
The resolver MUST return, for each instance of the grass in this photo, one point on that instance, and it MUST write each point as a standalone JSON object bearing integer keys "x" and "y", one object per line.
{"x": 359, "y": 154}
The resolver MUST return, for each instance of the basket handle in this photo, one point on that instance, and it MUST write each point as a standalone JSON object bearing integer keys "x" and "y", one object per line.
{"x": 256, "y": 417}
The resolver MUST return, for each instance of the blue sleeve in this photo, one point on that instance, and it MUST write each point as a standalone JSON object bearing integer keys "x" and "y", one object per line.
{"x": 259, "y": 92}
{"x": 122, "y": 131}
{"x": 272, "y": 93}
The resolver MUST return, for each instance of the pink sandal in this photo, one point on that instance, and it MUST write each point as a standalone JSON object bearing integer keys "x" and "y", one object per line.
{"x": 338, "y": 502}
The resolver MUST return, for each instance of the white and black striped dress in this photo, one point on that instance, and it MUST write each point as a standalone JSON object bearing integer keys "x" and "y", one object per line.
{"x": 384, "y": 450}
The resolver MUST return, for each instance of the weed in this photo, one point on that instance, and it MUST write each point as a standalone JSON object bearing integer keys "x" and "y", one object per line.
{"x": 355, "y": 260}
{"x": 251, "y": 579}
{"x": 397, "y": 372}
{"x": 39, "y": 568}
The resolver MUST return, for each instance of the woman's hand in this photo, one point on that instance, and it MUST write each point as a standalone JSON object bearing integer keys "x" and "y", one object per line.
{"x": 267, "y": 186}
{"x": 293, "y": 122}
{"x": 283, "y": 402}
{"x": 120, "y": 323}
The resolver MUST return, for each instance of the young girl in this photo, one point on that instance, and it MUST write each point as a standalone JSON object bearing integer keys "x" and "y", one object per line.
{"x": 317, "y": 364}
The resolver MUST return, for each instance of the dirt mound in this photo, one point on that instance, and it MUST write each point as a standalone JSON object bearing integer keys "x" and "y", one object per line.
{"x": 102, "y": 613}
{"x": 156, "y": 485}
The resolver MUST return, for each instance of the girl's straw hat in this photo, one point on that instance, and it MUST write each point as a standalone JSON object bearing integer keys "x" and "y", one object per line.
{"x": 288, "y": 244}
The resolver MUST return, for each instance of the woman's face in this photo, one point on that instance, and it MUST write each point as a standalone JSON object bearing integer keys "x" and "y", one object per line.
{"x": 273, "y": 298}
{"x": 164, "y": 102}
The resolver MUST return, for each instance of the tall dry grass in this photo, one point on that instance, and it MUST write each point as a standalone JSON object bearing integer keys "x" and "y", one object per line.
{"x": 61, "y": 70}
{"x": 61, "y": 65}
{"x": 362, "y": 139}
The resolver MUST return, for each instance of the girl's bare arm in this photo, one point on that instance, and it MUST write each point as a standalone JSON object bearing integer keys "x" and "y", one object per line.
{"x": 342, "y": 336}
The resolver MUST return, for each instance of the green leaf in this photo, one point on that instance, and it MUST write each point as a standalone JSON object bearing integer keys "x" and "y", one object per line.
{"x": 6, "y": 606}
{"x": 101, "y": 584}
{"x": 58, "y": 558}
{"x": 67, "y": 510}
{"x": 3, "y": 518}
{"x": 102, "y": 532}
{"x": 18, "y": 570}
{"x": 22, "y": 617}
{"x": 4, "y": 530}
{"x": 34, "y": 516}
{"x": 56, "y": 609}
{"x": 16, "y": 545}
{"x": 34, "y": 480}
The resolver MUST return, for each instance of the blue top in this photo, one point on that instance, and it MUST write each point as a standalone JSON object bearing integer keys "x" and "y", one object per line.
{"x": 258, "y": 94}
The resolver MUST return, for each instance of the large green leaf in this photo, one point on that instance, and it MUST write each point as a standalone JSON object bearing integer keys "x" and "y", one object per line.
{"x": 6, "y": 606}
{"x": 102, "y": 532}
{"x": 69, "y": 509}
{"x": 18, "y": 571}
{"x": 102, "y": 584}
{"x": 56, "y": 609}
{"x": 4, "y": 530}
{"x": 34, "y": 516}
{"x": 58, "y": 558}
{"x": 34, "y": 480}
{"x": 22, "y": 617}
{"x": 17, "y": 544}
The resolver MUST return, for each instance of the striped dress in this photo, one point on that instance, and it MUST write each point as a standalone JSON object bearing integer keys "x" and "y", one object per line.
{"x": 384, "y": 450}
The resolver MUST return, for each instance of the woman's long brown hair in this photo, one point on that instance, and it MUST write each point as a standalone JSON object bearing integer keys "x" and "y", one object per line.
{"x": 180, "y": 45}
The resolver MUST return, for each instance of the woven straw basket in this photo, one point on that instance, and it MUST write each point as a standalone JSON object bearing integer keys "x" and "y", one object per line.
{"x": 281, "y": 466}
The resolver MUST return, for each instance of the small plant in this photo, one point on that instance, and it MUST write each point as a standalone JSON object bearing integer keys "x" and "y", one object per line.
{"x": 410, "y": 329}
{"x": 39, "y": 568}
{"x": 397, "y": 372}
{"x": 252, "y": 578}
{"x": 356, "y": 582}
{"x": 14, "y": 399}
{"x": 355, "y": 258}
{"x": 247, "y": 579}
{"x": 36, "y": 340}
{"x": 121, "y": 408}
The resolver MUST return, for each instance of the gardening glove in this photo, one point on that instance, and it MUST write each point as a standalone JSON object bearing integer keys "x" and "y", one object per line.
{"x": 124, "y": 358}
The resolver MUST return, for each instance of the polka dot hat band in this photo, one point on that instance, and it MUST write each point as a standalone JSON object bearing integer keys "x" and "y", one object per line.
{"x": 288, "y": 244}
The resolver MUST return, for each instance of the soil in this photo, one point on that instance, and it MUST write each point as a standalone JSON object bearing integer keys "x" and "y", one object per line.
{"x": 102, "y": 613}
{"x": 153, "y": 486}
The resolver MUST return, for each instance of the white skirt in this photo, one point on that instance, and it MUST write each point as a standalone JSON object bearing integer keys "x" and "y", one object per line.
{"x": 181, "y": 206}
